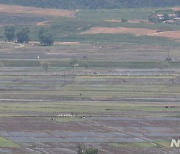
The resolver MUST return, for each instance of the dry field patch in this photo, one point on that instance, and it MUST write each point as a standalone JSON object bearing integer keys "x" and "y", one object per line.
{"x": 119, "y": 30}
{"x": 129, "y": 21}
{"x": 67, "y": 43}
{"x": 169, "y": 34}
{"x": 176, "y": 9}
{"x": 33, "y": 11}
{"x": 135, "y": 31}
{"x": 43, "y": 23}
{"x": 115, "y": 21}
{"x": 58, "y": 43}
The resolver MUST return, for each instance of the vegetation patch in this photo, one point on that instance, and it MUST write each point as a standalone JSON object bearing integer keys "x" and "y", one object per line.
{"x": 155, "y": 144}
{"x": 4, "y": 143}
{"x": 133, "y": 145}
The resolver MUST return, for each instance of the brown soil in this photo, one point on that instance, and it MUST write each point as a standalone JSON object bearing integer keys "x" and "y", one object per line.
{"x": 169, "y": 34}
{"x": 22, "y": 10}
{"x": 129, "y": 21}
{"x": 135, "y": 31}
{"x": 119, "y": 30}
{"x": 43, "y": 23}
{"x": 176, "y": 9}
{"x": 67, "y": 43}
{"x": 112, "y": 21}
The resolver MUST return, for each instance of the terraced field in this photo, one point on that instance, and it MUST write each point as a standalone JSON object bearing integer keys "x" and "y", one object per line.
{"x": 117, "y": 91}
{"x": 117, "y": 98}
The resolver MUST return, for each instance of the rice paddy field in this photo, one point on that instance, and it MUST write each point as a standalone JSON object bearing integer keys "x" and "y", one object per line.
{"x": 114, "y": 92}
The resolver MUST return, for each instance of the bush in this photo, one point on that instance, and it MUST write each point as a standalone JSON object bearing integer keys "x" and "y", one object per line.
{"x": 87, "y": 151}
{"x": 23, "y": 36}
{"x": 45, "y": 37}
{"x": 124, "y": 20}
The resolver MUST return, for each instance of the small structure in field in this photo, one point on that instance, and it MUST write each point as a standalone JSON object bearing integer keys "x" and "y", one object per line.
{"x": 65, "y": 115}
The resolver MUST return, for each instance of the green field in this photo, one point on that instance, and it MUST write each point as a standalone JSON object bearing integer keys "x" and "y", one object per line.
{"x": 117, "y": 92}
{"x": 4, "y": 143}
{"x": 68, "y": 29}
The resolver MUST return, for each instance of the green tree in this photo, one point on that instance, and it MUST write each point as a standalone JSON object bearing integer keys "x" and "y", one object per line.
{"x": 177, "y": 13}
{"x": 91, "y": 151}
{"x": 1, "y": 64}
{"x": 80, "y": 150}
{"x": 166, "y": 17}
{"x": 23, "y": 36}
{"x": 86, "y": 151}
{"x": 45, "y": 66}
{"x": 9, "y": 33}
{"x": 124, "y": 20}
{"x": 74, "y": 63}
{"x": 45, "y": 37}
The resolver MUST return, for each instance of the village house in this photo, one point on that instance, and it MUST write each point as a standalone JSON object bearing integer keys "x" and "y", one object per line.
{"x": 165, "y": 18}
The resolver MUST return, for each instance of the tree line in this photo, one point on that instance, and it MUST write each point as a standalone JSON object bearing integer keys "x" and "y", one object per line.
{"x": 93, "y": 4}
{"x": 45, "y": 37}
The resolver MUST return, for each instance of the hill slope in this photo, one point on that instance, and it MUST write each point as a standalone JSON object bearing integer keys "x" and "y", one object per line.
{"x": 93, "y": 4}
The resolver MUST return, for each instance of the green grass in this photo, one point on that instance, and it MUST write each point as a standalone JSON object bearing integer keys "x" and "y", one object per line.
{"x": 107, "y": 14}
{"x": 99, "y": 77}
{"x": 70, "y": 92}
{"x": 121, "y": 39}
{"x": 91, "y": 94}
{"x": 163, "y": 143}
{"x": 68, "y": 29}
{"x": 176, "y": 116}
{"x": 4, "y": 143}
{"x": 157, "y": 26}
{"x": 132, "y": 145}
{"x": 157, "y": 144}
{"x": 85, "y": 19}
{"x": 4, "y": 45}
{"x": 21, "y": 63}
{"x": 77, "y": 107}
{"x": 90, "y": 63}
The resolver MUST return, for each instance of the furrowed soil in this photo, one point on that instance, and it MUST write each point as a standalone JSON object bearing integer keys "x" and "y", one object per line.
{"x": 117, "y": 108}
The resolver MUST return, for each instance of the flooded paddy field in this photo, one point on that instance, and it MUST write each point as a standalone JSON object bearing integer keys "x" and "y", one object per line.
{"x": 117, "y": 98}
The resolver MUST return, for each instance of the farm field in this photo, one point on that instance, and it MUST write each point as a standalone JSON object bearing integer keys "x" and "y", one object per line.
{"x": 115, "y": 107}
{"x": 114, "y": 92}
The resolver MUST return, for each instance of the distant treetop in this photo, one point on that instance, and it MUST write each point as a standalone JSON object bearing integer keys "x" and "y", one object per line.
{"x": 93, "y": 4}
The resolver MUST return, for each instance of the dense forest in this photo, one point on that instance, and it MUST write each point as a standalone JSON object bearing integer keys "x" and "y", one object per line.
{"x": 93, "y": 4}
